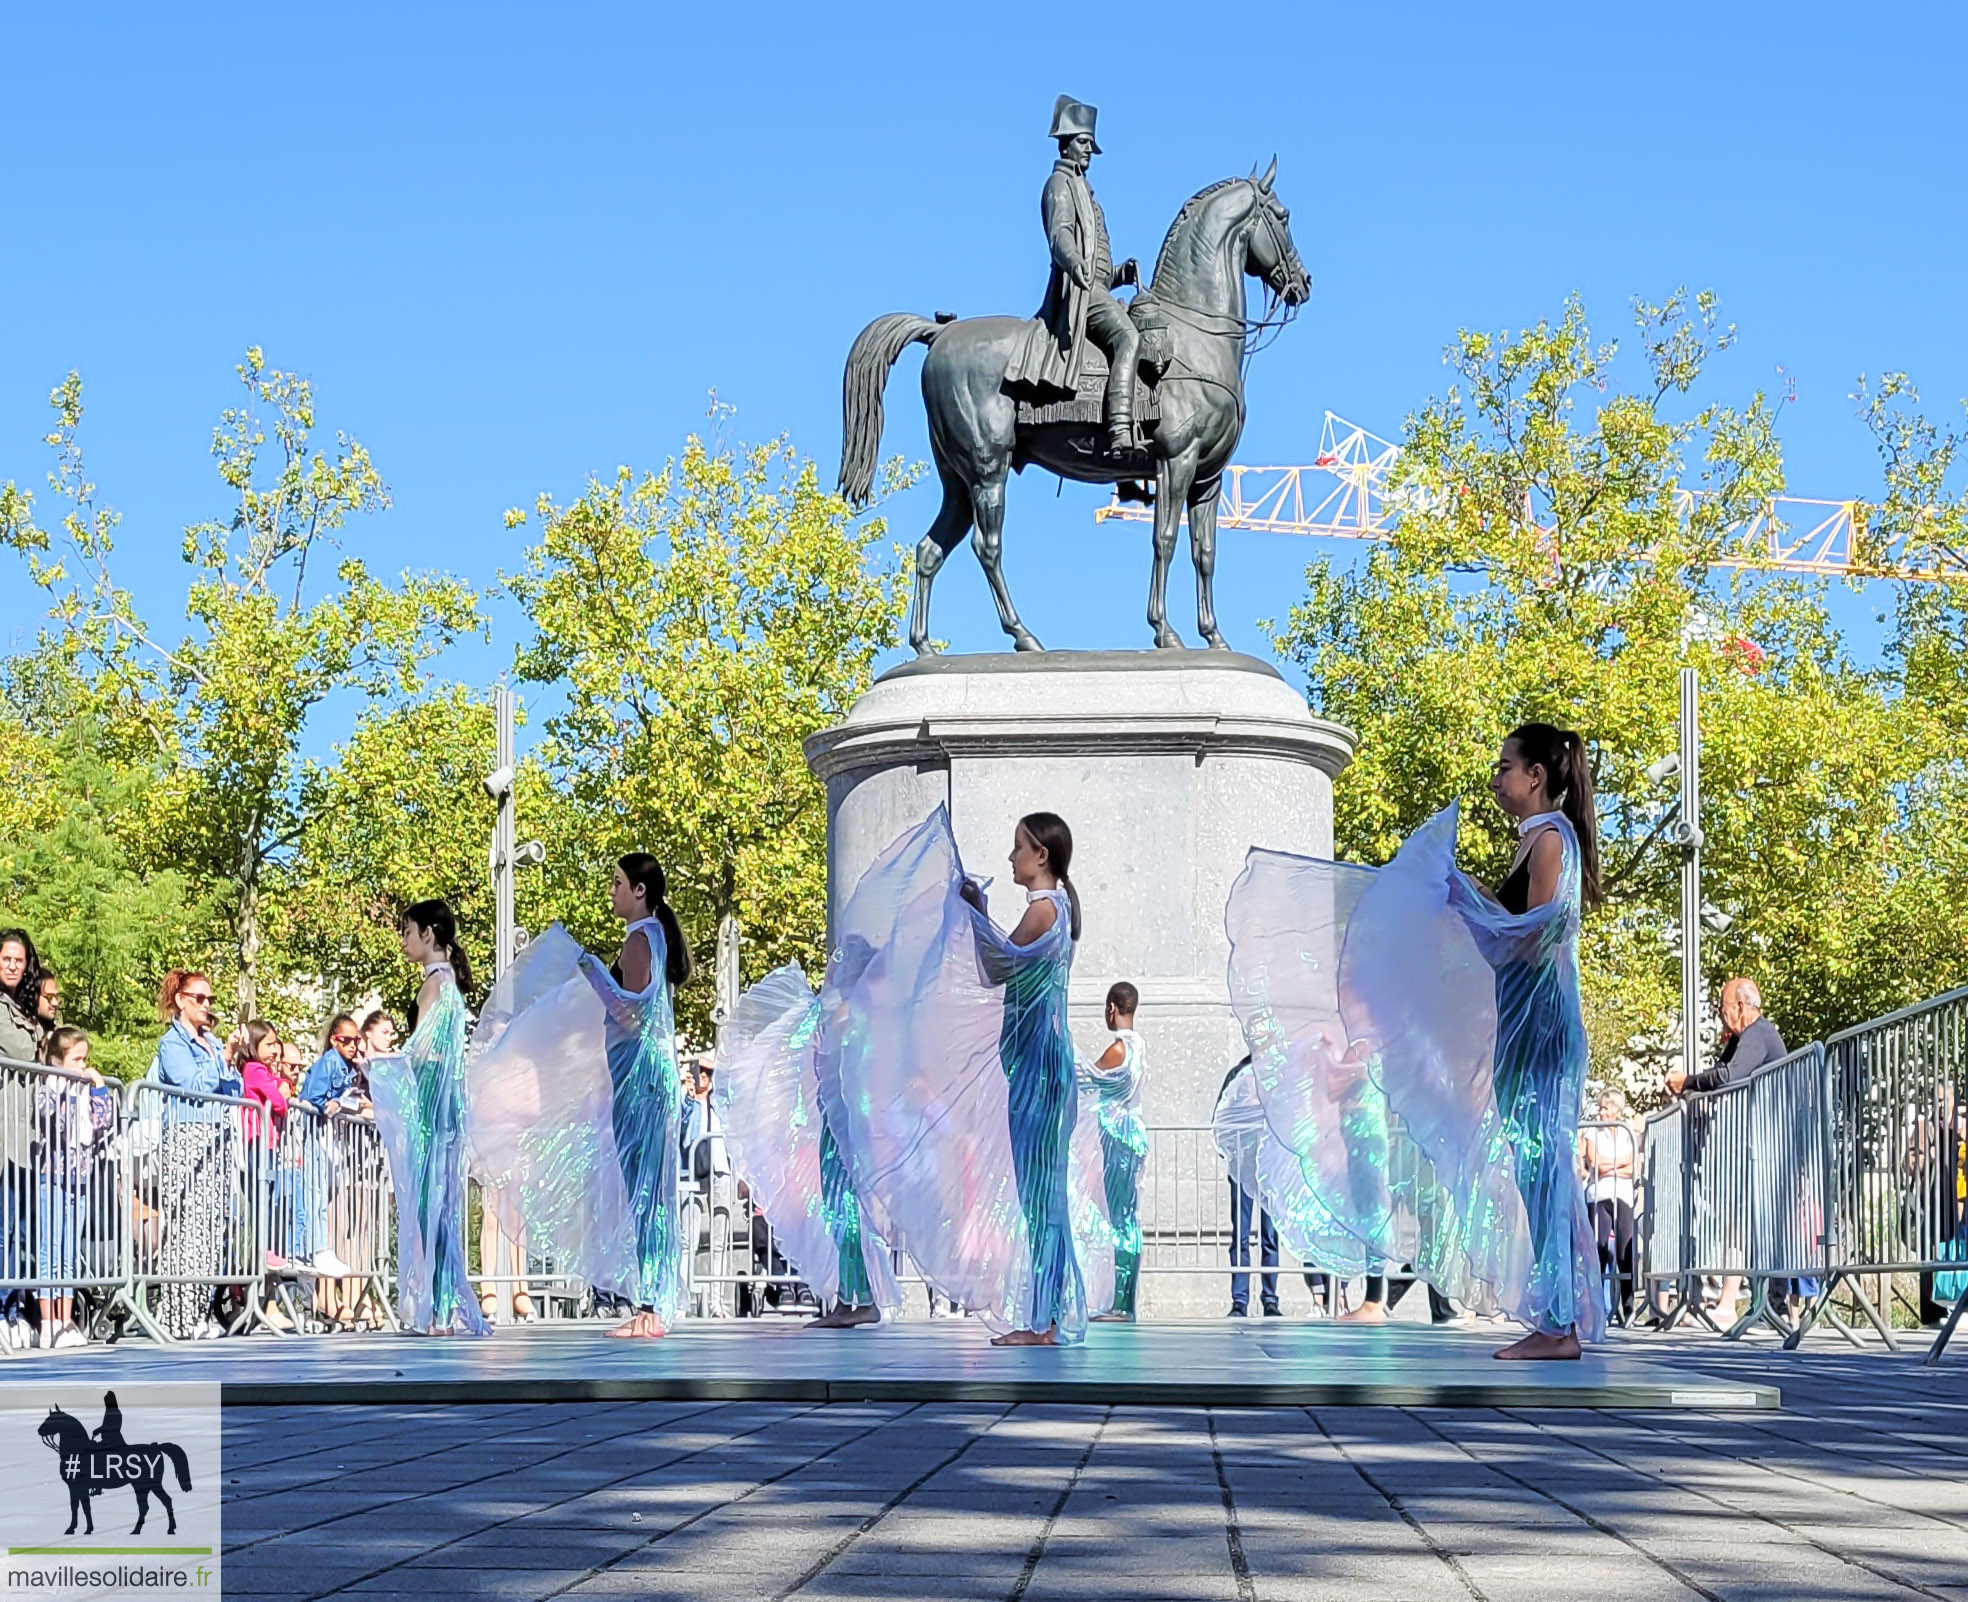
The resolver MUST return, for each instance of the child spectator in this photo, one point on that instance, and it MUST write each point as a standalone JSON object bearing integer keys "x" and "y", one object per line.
{"x": 64, "y": 1131}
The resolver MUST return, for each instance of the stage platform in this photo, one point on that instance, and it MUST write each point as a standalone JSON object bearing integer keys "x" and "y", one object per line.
{"x": 1214, "y": 1363}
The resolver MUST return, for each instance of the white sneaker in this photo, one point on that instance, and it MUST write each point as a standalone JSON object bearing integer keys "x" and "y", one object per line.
{"x": 67, "y": 1336}
{"x": 327, "y": 1263}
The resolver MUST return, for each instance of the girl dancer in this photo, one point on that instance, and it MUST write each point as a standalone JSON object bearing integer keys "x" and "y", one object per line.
{"x": 1528, "y": 932}
{"x": 1033, "y": 964}
{"x": 642, "y": 1067}
{"x": 420, "y": 1113}
{"x": 1113, "y": 1081}
{"x": 1463, "y": 1009}
{"x": 768, "y": 1097}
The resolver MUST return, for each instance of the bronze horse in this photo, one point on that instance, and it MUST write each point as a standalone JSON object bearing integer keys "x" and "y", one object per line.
{"x": 1232, "y": 229}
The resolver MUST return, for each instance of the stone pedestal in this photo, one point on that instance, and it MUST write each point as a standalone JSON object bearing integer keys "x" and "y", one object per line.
{"x": 1168, "y": 765}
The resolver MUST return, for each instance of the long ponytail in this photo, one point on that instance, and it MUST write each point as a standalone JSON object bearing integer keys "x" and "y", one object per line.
{"x": 645, "y": 875}
{"x": 1568, "y": 779}
{"x": 1051, "y": 835}
{"x": 437, "y": 920}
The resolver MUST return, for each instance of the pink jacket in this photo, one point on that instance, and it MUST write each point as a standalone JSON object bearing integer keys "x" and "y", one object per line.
{"x": 263, "y": 1085}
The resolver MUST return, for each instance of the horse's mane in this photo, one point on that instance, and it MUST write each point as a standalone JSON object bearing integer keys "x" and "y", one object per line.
{"x": 1182, "y": 216}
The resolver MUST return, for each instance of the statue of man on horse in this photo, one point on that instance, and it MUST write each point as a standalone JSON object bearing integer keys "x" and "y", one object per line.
{"x": 1002, "y": 393}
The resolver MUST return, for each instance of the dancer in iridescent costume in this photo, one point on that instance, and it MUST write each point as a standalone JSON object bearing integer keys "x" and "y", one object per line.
{"x": 1112, "y": 1083}
{"x": 947, "y": 1078}
{"x": 420, "y": 1113}
{"x": 1464, "y": 1009}
{"x": 776, "y": 1050}
{"x": 648, "y": 1099}
{"x": 1034, "y": 964}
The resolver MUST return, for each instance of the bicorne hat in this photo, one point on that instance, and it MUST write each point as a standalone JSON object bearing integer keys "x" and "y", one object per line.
{"x": 1070, "y": 117}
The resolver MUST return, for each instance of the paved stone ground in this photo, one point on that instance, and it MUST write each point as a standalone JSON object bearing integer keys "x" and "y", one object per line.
{"x": 1858, "y": 1489}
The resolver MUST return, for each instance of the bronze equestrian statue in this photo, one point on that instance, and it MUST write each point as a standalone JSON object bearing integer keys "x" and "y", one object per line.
{"x": 1005, "y": 392}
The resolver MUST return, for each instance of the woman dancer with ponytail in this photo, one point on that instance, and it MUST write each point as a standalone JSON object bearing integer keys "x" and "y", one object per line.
{"x": 1464, "y": 1007}
{"x": 641, "y": 1036}
{"x": 420, "y": 1112}
{"x": 1543, "y": 780}
{"x": 1033, "y": 964}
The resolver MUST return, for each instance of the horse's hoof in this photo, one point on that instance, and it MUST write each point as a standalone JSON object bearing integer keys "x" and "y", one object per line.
{"x": 1022, "y": 641}
{"x": 1216, "y": 642}
{"x": 1169, "y": 640}
{"x": 923, "y": 647}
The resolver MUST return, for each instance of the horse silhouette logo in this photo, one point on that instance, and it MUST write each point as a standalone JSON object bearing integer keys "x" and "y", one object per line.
{"x": 94, "y": 1462}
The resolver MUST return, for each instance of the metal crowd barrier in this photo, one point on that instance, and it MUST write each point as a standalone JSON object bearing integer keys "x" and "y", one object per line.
{"x": 1896, "y": 1154}
{"x": 1732, "y": 1186}
{"x": 62, "y": 1228}
{"x": 732, "y": 1262}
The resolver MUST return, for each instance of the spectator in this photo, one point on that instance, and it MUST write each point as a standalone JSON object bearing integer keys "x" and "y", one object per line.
{"x": 20, "y": 994}
{"x": 1609, "y": 1151}
{"x": 329, "y": 1088}
{"x": 1749, "y": 1041}
{"x": 709, "y": 1192}
{"x": 1237, "y": 1121}
{"x": 47, "y": 1003}
{"x": 195, "y": 1156}
{"x": 331, "y": 1084}
{"x": 292, "y": 1068}
{"x": 64, "y": 1131}
{"x": 253, "y": 1048}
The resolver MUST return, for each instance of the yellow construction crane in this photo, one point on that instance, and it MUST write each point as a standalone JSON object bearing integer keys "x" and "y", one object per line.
{"x": 1339, "y": 495}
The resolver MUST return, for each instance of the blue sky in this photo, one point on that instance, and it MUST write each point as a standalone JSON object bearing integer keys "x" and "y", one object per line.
{"x": 513, "y": 246}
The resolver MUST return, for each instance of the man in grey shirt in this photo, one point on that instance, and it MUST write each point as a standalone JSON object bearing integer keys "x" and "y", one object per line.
{"x": 1749, "y": 1042}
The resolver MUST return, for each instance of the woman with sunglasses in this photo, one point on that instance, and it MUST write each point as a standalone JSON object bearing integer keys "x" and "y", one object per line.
{"x": 194, "y": 1160}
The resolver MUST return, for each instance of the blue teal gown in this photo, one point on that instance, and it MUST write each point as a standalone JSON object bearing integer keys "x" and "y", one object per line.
{"x": 640, "y": 1032}
{"x": 1115, "y": 1097}
{"x": 1421, "y": 1052}
{"x": 419, "y": 1097}
{"x": 1036, "y": 1049}
{"x": 946, "y": 1076}
{"x": 768, "y": 1091}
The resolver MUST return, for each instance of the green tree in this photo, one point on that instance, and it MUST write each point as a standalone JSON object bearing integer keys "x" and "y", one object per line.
{"x": 1556, "y": 559}
{"x": 701, "y": 621}
{"x": 226, "y": 705}
{"x": 68, "y": 874}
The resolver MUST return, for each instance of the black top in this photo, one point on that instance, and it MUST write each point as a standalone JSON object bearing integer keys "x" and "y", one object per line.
{"x": 1756, "y": 1047}
{"x": 1515, "y": 892}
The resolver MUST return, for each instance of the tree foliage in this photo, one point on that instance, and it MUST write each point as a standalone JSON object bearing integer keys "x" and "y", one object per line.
{"x": 1557, "y": 558}
{"x": 224, "y": 707}
{"x": 700, "y": 622}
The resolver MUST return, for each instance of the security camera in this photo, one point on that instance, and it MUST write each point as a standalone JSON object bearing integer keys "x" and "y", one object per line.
{"x": 1669, "y": 767}
{"x": 499, "y": 783}
{"x": 1714, "y": 919}
{"x": 529, "y": 854}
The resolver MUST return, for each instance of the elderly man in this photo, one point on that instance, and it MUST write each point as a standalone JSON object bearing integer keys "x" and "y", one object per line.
{"x": 1749, "y": 1042}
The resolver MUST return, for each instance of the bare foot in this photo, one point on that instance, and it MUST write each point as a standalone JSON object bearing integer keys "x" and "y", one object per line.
{"x": 645, "y": 1325}
{"x": 1540, "y": 1347}
{"x": 1024, "y": 1337}
{"x": 1365, "y": 1313}
{"x": 845, "y": 1317}
{"x": 1111, "y": 1318}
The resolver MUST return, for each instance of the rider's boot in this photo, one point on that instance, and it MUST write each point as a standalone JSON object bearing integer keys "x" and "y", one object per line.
{"x": 1120, "y": 418}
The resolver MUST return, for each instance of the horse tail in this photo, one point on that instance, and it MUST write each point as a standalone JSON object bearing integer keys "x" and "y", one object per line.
{"x": 861, "y": 395}
{"x": 179, "y": 1462}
